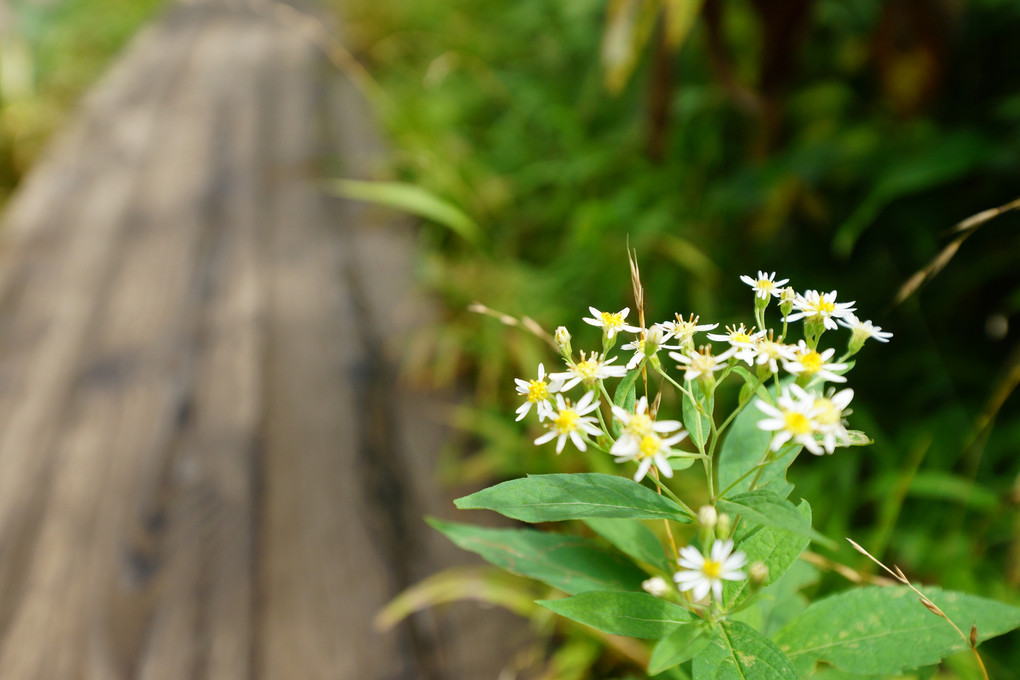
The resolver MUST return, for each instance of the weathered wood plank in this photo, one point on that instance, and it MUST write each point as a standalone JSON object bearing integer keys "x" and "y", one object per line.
{"x": 208, "y": 467}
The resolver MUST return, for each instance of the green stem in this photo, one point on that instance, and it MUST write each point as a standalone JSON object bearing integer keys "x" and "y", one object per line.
{"x": 665, "y": 489}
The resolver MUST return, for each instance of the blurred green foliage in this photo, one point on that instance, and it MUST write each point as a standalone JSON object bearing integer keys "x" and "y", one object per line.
{"x": 50, "y": 52}
{"x": 835, "y": 142}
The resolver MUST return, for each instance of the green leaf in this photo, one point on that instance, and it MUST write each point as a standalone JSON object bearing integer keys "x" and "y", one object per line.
{"x": 681, "y": 645}
{"x": 680, "y": 462}
{"x": 413, "y": 199}
{"x": 769, "y": 509}
{"x": 782, "y": 602}
{"x": 625, "y": 395}
{"x": 743, "y": 447}
{"x": 633, "y": 538}
{"x": 777, "y": 548}
{"x": 570, "y": 563}
{"x": 739, "y": 652}
{"x": 887, "y": 630}
{"x": 699, "y": 424}
{"x": 637, "y": 615}
{"x": 858, "y": 438}
{"x": 553, "y": 498}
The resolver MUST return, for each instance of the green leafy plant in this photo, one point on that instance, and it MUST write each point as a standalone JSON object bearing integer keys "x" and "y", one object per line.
{"x": 718, "y": 592}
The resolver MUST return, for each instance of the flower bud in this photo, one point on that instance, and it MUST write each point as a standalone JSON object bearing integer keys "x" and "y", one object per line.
{"x": 656, "y": 586}
{"x": 708, "y": 517}
{"x": 786, "y": 298}
{"x": 758, "y": 572}
{"x": 722, "y": 526}
{"x": 562, "y": 338}
{"x": 653, "y": 340}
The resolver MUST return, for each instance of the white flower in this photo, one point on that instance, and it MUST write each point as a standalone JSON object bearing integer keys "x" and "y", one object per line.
{"x": 742, "y": 339}
{"x": 640, "y": 440}
{"x": 684, "y": 331}
{"x": 538, "y": 393}
{"x": 656, "y": 586}
{"x": 821, "y": 307}
{"x": 571, "y": 421}
{"x": 810, "y": 362}
{"x": 703, "y": 575}
{"x": 611, "y": 322}
{"x": 768, "y": 351}
{"x": 702, "y": 363}
{"x": 863, "y": 330}
{"x": 793, "y": 417}
{"x": 589, "y": 371}
{"x": 765, "y": 285}
{"x": 828, "y": 417}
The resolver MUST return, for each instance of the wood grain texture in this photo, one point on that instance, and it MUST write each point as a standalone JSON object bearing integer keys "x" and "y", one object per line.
{"x": 209, "y": 467}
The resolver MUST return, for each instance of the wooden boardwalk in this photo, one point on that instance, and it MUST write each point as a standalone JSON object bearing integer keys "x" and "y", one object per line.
{"x": 208, "y": 468}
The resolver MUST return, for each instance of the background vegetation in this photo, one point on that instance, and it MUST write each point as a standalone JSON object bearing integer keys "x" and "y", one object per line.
{"x": 835, "y": 142}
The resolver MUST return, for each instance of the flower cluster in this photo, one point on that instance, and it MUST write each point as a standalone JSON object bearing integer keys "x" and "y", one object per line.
{"x": 790, "y": 379}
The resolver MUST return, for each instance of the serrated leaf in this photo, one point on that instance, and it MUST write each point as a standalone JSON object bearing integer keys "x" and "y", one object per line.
{"x": 636, "y": 615}
{"x": 698, "y": 423}
{"x": 557, "y": 497}
{"x": 570, "y": 563}
{"x": 777, "y": 548}
{"x": 678, "y": 647}
{"x": 633, "y": 538}
{"x": 769, "y": 509}
{"x": 887, "y": 630}
{"x": 738, "y": 652}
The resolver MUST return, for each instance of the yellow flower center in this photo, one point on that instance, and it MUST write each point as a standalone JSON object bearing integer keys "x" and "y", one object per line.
{"x": 740, "y": 337}
{"x": 612, "y": 320}
{"x": 812, "y": 362}
{"x": 711, "y": 568}
{"x": 588, "y": 370}
{"x": 566, "y": 421}
{"x": 826, "y": 307}
{"x": 640, "y": 424}
{"x": 828, "y": 414}
{"x": 797, "y": 423}
{"x": 538, "y": 390}
{"x": 649, "y": 446}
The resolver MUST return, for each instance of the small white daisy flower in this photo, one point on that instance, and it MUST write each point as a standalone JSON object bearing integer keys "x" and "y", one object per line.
{"x": 793, "y": 417}
{"x": 862, "y": 330}
{"x": 537, "y": 393}
{"x": 742, "y": 339}
{"x": 683, "y": 331}
{"x": 640, "y": 441}
{"x": 706, "y": 575}
{"x": 647, "y": 450}
{"x": 812, "y": 363}
{"x": 571, "y": 421}
{"x": 611, "y": 322}
{"x": 703, "y": 363}
{"x": 770, "y": 352}
{"x": 765, "y": 285}
{"x": 589, "y": 371}
{"x": 828, "y": 417}
{"x": 820, "y": 307}
{"x": 655, "y": 586}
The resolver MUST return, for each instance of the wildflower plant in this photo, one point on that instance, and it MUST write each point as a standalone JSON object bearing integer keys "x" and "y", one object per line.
{"x": 716, "y": 591}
